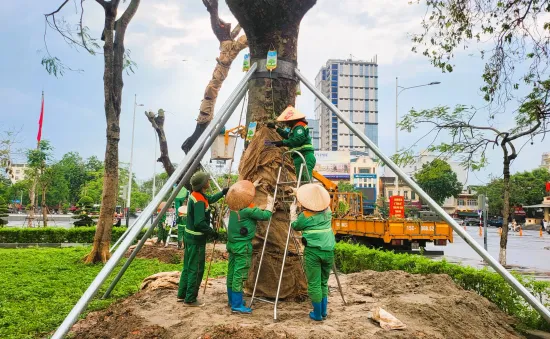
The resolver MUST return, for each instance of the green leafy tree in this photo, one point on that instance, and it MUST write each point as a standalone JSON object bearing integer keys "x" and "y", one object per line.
{"x": 3, "y": 212}
{"x": 38, "y": 161}
{"x": 345, "y": 186}
{"x": 73, "y": 169}
{"x": 438, "y": 180}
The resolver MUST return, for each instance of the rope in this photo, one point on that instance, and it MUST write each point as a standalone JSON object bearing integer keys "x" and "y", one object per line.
{"x": 220, "y": 213}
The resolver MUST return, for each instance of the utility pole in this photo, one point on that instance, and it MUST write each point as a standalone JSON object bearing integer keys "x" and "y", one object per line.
{"x": 128, "y": 200}
{"x": 397, "y": 92}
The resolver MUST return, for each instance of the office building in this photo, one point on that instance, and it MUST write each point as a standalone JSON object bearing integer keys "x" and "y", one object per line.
{"x": 352, "y": 86}
{"x": 313, "y": 126}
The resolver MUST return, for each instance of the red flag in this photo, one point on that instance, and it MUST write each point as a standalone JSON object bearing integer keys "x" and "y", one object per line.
{"x": 39, "y": 136}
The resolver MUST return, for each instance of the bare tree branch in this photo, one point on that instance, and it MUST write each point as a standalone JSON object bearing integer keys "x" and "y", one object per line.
{"x": 158, "y": 124}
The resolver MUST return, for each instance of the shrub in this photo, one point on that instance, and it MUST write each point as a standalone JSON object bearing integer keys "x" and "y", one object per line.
{"x": 85, "y": 201}
{"x": 53, "y": 235}
{"x": 354, "y": 258}
{"x": 3, "y": 212}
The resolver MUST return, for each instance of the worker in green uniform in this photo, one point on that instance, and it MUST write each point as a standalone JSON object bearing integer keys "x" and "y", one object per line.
{"x": 317, "y": 236}
{"x": 162, "y": 233}
{"x": 240, "y": 232}
{"x": 196, "y": 231}
{"x": 181, "y": 221}
{"x": 297, "y": 139}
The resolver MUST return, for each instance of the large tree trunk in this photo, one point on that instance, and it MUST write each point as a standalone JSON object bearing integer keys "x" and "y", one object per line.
{"x": 32, "y": 197}
{"x": 505, "y": 212}
{"x": 112, "y": 83}
{"x": 275, "y": 25}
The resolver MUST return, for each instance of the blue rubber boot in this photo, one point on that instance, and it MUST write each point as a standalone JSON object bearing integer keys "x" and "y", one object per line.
{"x": 316, "y": 314}
{"x": 237, "y": 303}
{"x": 229, "y": 294}
{"x": 324, "y": 305}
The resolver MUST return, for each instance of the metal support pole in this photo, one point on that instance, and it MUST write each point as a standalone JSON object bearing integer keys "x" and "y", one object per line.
{"x": 485, "y": 214}
{"x": 396, "y": 132}
{"x": 91, "y": 291}
{"x": 186, "y": 177}
{"x": 516, "y": 285}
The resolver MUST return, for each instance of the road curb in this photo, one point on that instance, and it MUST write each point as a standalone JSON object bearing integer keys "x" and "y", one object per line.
{"x": 49, "y": 245}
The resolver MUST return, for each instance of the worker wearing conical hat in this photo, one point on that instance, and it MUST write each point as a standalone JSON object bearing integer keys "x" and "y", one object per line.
{"x": 181, "y": 221}
{"x": 297, "y": 139}
{"x": 196, "y": 231}
{"x": 240, "y": 232}
{"x": 315, "y": 223}
{"x": 162, "y": 233}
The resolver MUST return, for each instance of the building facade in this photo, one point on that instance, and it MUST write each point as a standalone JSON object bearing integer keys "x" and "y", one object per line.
{"x": 364, "y": 178}
{"x": 313, "y": 126}
{"x": 352, "y": 86}
{"x": 545, "y": 160}
{"x": 16, "y": 172}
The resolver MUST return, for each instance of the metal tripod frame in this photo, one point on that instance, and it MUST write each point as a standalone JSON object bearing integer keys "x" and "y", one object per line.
{"x": 218, "y": 122}
{"x": 509, "y": 278}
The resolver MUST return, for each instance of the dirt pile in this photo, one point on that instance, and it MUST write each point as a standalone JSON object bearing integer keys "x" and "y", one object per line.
{"x": 431, "y": 306}
{"x": 172, "y": 255}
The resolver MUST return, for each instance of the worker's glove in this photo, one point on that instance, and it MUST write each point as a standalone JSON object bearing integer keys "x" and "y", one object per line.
{"x": 293, "y": 213}
{"x": 270, "y": 125}
{"x": 257, "y": 182}
{"x": 278, "y": 143}
{"x": 270, "y": 203}
{"x": 225, "y": 190}
{"x": 294, "y": 190}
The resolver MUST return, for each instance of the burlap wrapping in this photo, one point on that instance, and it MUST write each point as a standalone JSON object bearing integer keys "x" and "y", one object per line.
{"x": 263, "y": 162}
{"x": 228, "y": 52}
{"x": 167, "y": 280}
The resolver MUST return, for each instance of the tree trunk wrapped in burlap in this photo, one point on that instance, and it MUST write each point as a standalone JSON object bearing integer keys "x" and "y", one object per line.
{"x": 264, "y": 163}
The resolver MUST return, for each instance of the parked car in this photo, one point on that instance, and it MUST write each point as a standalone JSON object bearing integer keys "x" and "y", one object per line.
{"x": 459, "y": 221}
{"x": 471, "y": 222}
{"x": 497, "y": 222}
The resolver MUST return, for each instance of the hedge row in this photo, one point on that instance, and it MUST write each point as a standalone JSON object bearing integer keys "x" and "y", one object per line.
{"x": 51, "y": 235}
{"x": 54, "y": 235}
{"x": 354, "y": 258}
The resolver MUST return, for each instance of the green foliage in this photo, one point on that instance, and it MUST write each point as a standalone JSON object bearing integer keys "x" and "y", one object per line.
{"x": 40, "y": 286}
{"x": 354, "y": 258}
{"x": 85, "y": 201}
{"x": 3, "y": 212}
{"x": 438, "y": 180}
{"x": 526, "y": 188}
{"x": 383, "y": 207}
{"x": 345, "y": 186}
{"x": 55, "y": 235}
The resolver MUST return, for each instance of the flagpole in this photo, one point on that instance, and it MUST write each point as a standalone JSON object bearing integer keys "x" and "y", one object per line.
{"x": 32, "y": 193}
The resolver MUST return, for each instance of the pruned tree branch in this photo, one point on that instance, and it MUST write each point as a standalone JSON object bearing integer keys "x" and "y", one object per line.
{"x": 158, "y": 124}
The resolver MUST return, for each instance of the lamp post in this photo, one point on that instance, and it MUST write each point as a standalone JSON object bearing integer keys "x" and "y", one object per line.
{"x": 128, "y": 201}
{"x": 399, "y": 90}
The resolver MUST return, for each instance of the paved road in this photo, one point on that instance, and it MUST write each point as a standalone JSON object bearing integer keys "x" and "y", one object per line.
{"x": 527, "y": 254}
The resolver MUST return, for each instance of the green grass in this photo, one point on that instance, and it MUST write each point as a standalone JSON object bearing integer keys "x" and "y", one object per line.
{"x": 39, "y": 286}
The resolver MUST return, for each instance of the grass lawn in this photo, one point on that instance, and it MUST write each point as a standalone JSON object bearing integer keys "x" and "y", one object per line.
{"x": 39, "y": 286}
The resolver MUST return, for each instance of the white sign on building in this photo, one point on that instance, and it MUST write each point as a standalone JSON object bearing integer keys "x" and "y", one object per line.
{"x": 333, "y": 164}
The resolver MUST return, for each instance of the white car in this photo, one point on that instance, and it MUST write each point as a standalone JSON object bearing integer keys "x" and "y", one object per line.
{"x": 459, "y": 221}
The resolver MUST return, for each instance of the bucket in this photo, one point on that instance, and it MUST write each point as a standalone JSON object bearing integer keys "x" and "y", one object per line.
{"x": 220, "y": 151}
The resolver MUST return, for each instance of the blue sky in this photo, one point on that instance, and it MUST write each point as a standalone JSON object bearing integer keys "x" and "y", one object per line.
{"x": 163, "y": 34}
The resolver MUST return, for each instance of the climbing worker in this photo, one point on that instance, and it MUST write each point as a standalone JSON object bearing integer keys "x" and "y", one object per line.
{"x": 162, "y": 233}
{"x": 181, "y": 221}
{"x": 241, "y": 229}
{"x": 297, "y": 139}
{"x": 318, "y": 239}
{"x": 196, "y": 231}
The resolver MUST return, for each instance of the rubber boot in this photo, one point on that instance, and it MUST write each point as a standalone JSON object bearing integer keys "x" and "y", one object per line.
{"x": 237, "y": 303}
{"x": 324, "y": 305}
{"x": 316, "y": 313}
{"x": 229, "y": 295}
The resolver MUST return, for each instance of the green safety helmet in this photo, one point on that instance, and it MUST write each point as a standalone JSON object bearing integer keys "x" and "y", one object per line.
{"x": 199, "y": 180}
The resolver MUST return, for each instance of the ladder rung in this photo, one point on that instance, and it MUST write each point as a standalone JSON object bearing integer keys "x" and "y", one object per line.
{"x": 264, "y": 300}
{"x": 286, "y": 182}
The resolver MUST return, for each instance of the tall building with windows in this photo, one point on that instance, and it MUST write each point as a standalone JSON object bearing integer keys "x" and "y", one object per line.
{"x": 313, "y": 126}
{"x": 352, "y": 86}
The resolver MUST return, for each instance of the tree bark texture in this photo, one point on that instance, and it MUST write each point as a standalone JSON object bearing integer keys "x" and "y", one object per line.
{"x": 112, "y": 82}
{"x": 32, "y": 197}
{"x": 229, "y": 49}
{"x": 44, "y": 207}
{"x": 505, "y": 211}
{"x": 271, "y": 25}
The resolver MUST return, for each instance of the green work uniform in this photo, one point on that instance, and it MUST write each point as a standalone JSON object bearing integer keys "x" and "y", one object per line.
{"x": 196, "y": 231}
{"x": 162, "y": 233}
{"x": 298, "y": 139}
{"x": 240, "y": 232}
{"x": 316, "y": 229}
{"x": 181, "y": 221}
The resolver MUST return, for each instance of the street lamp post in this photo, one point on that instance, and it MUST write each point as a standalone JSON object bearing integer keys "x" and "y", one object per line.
{"x": 398, "y": 90}
{"x": 128, "y": 200}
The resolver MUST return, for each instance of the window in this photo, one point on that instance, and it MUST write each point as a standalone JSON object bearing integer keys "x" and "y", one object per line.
{"x": 406, "y": 194}
{"x": 364, "y": 170}
{"x": 17, "y": 171}
{"x": 472, "y": 202}
{"x": 390, "y": 193}
{"x": 413, "y": 195}
{"x": 460, "y": 202}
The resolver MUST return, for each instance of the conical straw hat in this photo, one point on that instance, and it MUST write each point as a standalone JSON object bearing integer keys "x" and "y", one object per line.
{"x": 290, "y": 113}
{"x": 182, "y": 210}
{"x": 313, "y": 197}
{"x": 161, "y": 206}
{"x": 240, "y": 195}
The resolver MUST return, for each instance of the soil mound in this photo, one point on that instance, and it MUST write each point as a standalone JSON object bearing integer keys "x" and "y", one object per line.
{"x": 432, "y": 306}
{"x": 172, "y": 255}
